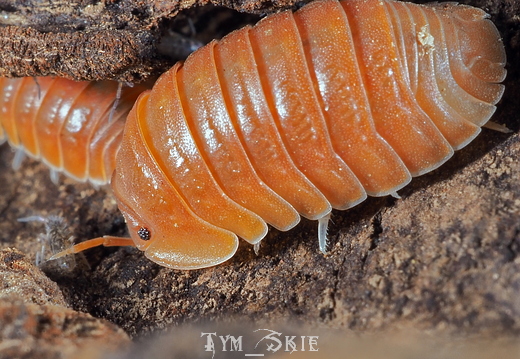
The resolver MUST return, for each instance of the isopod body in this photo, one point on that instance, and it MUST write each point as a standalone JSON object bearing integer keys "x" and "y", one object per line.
{"x": 74, "y": 127}
{"x": 302, "y": 113}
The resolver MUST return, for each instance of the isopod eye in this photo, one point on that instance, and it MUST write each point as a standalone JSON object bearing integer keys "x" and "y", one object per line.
{"x": 144, "y": 234}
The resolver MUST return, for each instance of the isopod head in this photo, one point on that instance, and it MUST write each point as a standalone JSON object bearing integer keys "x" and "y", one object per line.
{"x": 175, "y": 237}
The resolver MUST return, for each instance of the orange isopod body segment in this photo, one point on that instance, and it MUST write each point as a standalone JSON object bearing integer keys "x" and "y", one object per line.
{"x": 303, "y": 112}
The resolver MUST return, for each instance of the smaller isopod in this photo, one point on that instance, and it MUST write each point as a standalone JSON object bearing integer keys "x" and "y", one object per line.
{"x": 73, "y": 127}
{"x": 57, "y": 238}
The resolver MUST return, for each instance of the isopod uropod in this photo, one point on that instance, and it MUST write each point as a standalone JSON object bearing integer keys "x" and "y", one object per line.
{"x": 302, "y": 113}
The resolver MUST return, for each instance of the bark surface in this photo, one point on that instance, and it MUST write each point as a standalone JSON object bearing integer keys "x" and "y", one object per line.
{"x": 443, "y": 257}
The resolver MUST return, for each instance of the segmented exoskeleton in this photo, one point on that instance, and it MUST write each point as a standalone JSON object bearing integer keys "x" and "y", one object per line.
{"x": 302, "y": 113}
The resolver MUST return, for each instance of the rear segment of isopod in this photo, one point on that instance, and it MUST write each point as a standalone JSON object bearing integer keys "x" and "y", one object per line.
{"x": 72, "y": 126}
{"x": 300, "y": 114}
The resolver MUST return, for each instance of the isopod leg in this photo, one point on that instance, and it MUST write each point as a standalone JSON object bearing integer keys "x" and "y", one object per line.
{"x": 323, "y": 224}
{"x": 107, "y": 241}
{"x": 19, "y": 156}
{"x": 496, "y": 127}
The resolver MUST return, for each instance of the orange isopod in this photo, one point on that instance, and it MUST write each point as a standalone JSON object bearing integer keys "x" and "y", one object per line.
{"x": 73, "y": 127}
{"x": 302, "y": 113}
